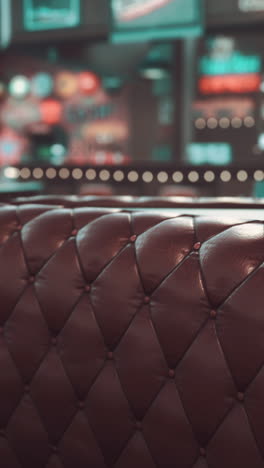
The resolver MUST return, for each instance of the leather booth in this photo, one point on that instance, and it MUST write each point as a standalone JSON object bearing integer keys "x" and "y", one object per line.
{"x": 130, "y": 338}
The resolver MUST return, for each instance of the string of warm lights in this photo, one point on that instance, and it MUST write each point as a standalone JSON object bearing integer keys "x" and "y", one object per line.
{"x": 133, "y": 176}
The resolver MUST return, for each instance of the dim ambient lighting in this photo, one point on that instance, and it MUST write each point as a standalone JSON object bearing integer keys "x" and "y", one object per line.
{"x": 209, "y": 176}
{"x": 133, "y": 176}
{"x": 259, "y": 176}
{"x": 119, "y": 176}
{"x": 11, "y": 172}
{"x": 147, "y": 177}
{"x": 193, "y": 176}
{"x": 225, "y": 176}
{"x": 38, "y": 173}
{"x": 212, "y": 123}
{"x": 25, "y": 173}
{"x": 104, "y": 175}
{"x": 90, "y": 174}
{"x": 200, "y": 124}
{"x": 51, "y": 173}
{"x": 177, "y": 177}
{"x": 249, "y": 121}
{"x": 162, "y": 177}
{"x": 64, "y": 173}
{"x": 224, "y": 122}
{"x": 77, "y": 174}
{"x": 242, "y": 176}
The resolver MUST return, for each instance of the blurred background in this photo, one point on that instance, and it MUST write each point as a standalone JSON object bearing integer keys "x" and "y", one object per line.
{"x": 138, "y": 97}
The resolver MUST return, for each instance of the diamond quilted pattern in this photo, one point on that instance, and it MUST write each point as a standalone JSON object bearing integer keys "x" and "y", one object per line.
{"x": 233, "y": 268}
{"x": 106, "y": 401}
{"x": 139, "y": 352}
{"x": 111, "y": 234}
{"x": 255, "y": 408}
{"x": 243, "y": 306}
{"x": 136, "y": 453}
{"x": 203, "y": 370}
{"x": 179, "y": 308}
{"x": 82, "y": 363}
{"x": 12, "y": 279}
{"x": 239, "y": 444}
{"x": 22, "y": 440}
{"x": 160, "y": 249}
{"x": 130, "y": 339}
{"x": 165, "y": 419}
{"x": 25, "y": 330}
{"x": 63, "y": 296}
{"x": 54, "y": 227}
{"x": 51, "y": 388}
{"x": 11, "y": 386}
{"x": 120, "y": 278}
{"x": 78, "y": 446}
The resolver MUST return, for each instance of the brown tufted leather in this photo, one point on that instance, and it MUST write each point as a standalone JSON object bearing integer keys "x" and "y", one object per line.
{"x": 130, "y": 340}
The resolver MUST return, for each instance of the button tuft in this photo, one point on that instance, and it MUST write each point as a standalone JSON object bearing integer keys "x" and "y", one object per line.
{"x": 146, "y": 300}
{"x": 74, "y": 232}
{"x": 133, "y": 238}
{"x": 172, "y": 373}
{"x": 213, "y": 314}
{"x": 26, "y": 388}
{"x": 110, "y": 355}
{"x": 240, "y": 396}
{"x": 31, "y": 279}
{"x": 197, "y": 246}
{"x": 54, "y": 341}
{"x": 87, "y": 288}
{"x": 19, "y": 227}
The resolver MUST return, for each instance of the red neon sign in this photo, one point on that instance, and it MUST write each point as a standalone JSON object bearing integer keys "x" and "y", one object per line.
{"x": 248, "y": 83}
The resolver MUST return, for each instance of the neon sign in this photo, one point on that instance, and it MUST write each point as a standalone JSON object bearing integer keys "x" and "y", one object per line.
{"x": 251, "y": 5}
{"x": 41, "y": 15}
{"x": 248, "y": 83}
{"x": 138, "y": 20}
{"x": 237, "y": 63}
{"x": 216, "y": 154}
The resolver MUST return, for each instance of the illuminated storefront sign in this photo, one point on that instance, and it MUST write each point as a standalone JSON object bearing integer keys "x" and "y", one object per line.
{"x": 129, "y": 10}
{"x": 40, "y": 15}
{"x": 209, "y": 153}
{"x": 251, "y": 5}
{"x": 237, "y": 63}
{"x": 137, "y": 20}
{"x": 248, "y": 83}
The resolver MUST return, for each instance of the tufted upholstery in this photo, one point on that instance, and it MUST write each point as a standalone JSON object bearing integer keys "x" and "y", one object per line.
{"x": 130, "y": 340}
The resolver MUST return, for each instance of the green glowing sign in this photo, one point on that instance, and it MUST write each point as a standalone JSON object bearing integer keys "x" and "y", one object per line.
{"x": 41, "y": 15}
{"x": 216, "y": 154}
{"x": 138, "y": 20}
{"x": 237, "y": 63}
